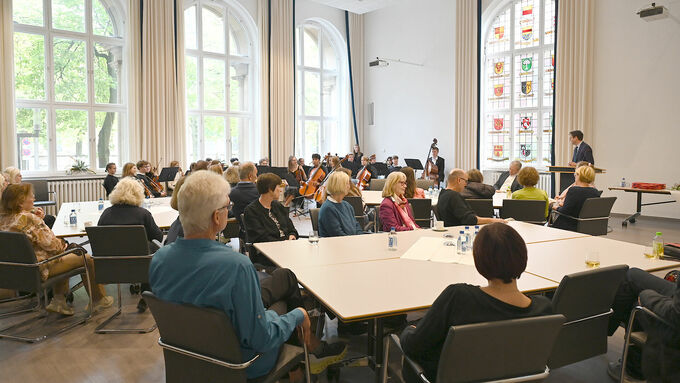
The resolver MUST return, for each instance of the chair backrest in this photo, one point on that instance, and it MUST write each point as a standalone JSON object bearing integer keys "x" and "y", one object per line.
{"x": 585, "y": 299}
{"x": 357, "y": 204}
{"x": 211, "y": 334}
{"x": 482, "y": 207}
{"x": 424, "y": 183}
{"x": 40, "y": 190}
{"x": 232, "y": 229}
{"x": 592, "y": 208}
{"x": 377, "y": 184}
{"x": 120, "y": 253}
{"x": 422, "y": 210}
{"x": 524, "y": 210}
{"x": 314, "y": 215}
{"x": 498, "y": 350}
{"x": 17, "y": 249}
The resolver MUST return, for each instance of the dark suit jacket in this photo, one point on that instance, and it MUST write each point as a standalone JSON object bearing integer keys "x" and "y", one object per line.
{"x": 440, "y": 167}
{"x": 584, "y": 153}
{"x": 243, "y": 195}
{"x": 501, "y": 180}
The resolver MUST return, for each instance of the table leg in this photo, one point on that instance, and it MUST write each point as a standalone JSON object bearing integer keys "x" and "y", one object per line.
{"x": 638, "y": 210}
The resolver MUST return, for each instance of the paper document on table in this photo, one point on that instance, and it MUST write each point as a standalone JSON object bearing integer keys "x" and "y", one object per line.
{"x": 434, "y": 249}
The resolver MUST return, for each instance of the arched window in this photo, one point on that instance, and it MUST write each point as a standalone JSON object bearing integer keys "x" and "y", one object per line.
{"x": 518, "y": 69}
{"x": 68, "y": 77}
{"x": 322, "y": 123}
{"x": 220, "y": 80}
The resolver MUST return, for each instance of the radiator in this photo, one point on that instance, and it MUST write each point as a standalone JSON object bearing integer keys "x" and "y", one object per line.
{"x": 491, "y": 176}
{"x": 75, "y": 191}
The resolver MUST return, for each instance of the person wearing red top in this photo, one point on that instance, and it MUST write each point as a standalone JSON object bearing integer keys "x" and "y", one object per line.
{"x": 395, "y": 211}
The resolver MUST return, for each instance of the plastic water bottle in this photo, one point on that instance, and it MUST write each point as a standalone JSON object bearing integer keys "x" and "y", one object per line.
{"x": 623, "y": 182}
{"x": 461, "y": 245}
{"x": 147, "y": 202}
{"x": 468, "y": 236}
{"x": 73, "y": 218}
{"x": 430, "y": 192}
{"x": 473, "y": 238}
{"x": 392, "y": 240}
{"x": 657, "y": 245}
{"x": 100, "y": 206}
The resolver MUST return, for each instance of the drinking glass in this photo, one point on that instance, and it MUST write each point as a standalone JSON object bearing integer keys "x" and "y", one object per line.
{"x": 593, "y": 259}
{"x": 313, "y": 237}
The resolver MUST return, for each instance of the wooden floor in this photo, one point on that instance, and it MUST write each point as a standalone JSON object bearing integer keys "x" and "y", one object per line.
{"x": 80, "y": 355}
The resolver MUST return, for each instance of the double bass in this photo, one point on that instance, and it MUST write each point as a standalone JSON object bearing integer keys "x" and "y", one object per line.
{"x": 431, "y": 171}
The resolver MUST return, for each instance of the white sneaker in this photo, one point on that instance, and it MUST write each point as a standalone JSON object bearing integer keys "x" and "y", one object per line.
{"x": 103, "y": 303}
{"x": 59, "y": 305}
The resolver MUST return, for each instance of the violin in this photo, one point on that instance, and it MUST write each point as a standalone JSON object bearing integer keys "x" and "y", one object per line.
{"x": 431, "y": 170}
{"x": 300, "y": 175}
{"x": 154, "y": 179}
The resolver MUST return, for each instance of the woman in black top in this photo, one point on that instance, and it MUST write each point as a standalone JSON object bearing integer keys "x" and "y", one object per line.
{"x": 500, "y": 256}
{"x": 266, "y": 219}
{"x": 111, "y": 180}
{"x": 576, "y": 196}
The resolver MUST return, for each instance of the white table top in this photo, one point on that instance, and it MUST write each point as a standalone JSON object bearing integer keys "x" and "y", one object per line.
{"x": 375, "y": 198}
{"x": 555, "y": 259}
{"x": 355, "y": 291}
{"x": 88, "y": 211}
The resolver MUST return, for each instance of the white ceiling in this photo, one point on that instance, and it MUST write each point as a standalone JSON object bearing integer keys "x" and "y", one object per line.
{"x": 358, "y": 6}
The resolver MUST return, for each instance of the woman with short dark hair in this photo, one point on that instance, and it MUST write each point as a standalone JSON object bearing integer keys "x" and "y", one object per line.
{"x": 266, "y": 219}
{"x": 476, "y": 188}
{"x": 500, "y": 256}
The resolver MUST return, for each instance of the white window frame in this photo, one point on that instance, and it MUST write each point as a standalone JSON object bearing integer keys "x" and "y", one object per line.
{"x": 51, "y": 105}
{"x": 540, "y": 49}
{"x": 246, "y": 138}
{"x": 337, "y": 141}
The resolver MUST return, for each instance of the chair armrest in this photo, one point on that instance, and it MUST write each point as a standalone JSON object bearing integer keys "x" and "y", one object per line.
{"x": 579, "y": 219}
{"x": 414, "y": 365}
{"x": 565, "y": 215}
{"x": 55, "y": 257}
{"x": 156, "y": 243}
{"x": 652, "y": 314}
{"x": 233, "y": 366}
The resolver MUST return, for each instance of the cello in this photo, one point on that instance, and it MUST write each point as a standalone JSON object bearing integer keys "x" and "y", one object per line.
{"x": 309, "y": 188}
{"x": 431, "y": 171}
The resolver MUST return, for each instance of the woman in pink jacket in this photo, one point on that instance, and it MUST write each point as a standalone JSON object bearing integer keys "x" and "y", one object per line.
{"x": 395, "y": 211}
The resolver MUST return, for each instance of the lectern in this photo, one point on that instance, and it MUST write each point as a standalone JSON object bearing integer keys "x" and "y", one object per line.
{"x": 566, "y": 175}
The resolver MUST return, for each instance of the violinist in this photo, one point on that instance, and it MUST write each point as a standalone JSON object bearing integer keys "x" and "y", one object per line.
{"x": 439, "y": 162}
{"x": 365, "y": 174}
{"x": 130, "y": 170}
{"x": 147, "y": 177}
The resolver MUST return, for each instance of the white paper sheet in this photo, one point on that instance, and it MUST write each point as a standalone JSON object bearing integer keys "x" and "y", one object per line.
{"x": 434, "y": 249}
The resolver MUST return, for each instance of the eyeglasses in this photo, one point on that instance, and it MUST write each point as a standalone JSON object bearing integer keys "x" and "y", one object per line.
{"x": 464, "y": 179}
{"x": 402, "y": 182}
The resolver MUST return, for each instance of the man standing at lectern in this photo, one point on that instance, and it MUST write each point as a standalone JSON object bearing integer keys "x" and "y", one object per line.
{"x": 583, "y": 151}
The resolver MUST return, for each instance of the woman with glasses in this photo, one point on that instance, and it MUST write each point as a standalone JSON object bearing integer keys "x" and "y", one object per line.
{"x": 395, "y": 211}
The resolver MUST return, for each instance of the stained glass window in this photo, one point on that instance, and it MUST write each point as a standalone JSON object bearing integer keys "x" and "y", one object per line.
{"x": 518, "y": 73}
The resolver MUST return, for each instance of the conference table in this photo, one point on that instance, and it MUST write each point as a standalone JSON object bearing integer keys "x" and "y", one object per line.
{"x": 360, "y": 279}
{"x": 374, "y": 198}
{"x": 639, "y": 204}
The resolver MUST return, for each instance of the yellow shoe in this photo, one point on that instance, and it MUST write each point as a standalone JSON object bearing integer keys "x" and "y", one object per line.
{"x": 325, "y": 355}
{"x": 59, "y": 305}
{"x": 103, "y": 303}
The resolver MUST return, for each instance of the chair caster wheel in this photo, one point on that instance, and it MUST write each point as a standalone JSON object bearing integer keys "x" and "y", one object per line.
{"x": 134, "y": 289}
{"x": 624, "y": 224}
{"x": 69, "y": 298}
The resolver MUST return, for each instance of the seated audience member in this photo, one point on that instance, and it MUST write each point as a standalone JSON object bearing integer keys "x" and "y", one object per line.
{"x": 576, "y": 196}
{"x": 111, "y": 180}
{"x": 12, "y": 175}
{"x": 232, "y": 175}
{"x": 660, "y": 359}
{"x": 508, "y": 180}
{"x": 232, "y": 160}
{"x": 3, "y": 184}
{"x": 266, "y": 219}
{"x": 245, "y": 192}
{"x": 176, "y": 229}
{"x": 500, "y": 256}
{"x": 528, "y": 177}
{"x": 476, "y": 188}
{"x": 412, "y": 191}
{"x": 200, "y": 271}
{"x": 395, "y": 211}
{"x": 453, "y": 209}
{"x": 560, "y": 198}
{"x": 395, "y": 165}
{"x": 201, "y": 165}
{"x": 16, "y": 215}
{"x": 214, "y": 162}
{"x": 263, "y": 162}
{"x": 145, "y": 174}
{"x": 336, "y": 217}
{"x": 217, "y": 169}
{"x": 126, "y": 201}
{"x": 192, "y": 167}
{"x": 353, "y": 189}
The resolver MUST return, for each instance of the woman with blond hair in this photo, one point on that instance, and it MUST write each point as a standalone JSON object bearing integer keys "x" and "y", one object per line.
{"x": 528, "y": 178}
{"x": 13, "y": 175}
{"x": 217, "y": 169}
{"x": 395, "y": 211}
{"x": 581, "y": 190}
{"x": 16, "y": 215}
{"x": 336, "y": 217}
{"x": 231, "y": 175}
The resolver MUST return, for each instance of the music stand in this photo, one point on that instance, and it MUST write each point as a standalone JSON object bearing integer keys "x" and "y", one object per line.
{"x": 381, "y": 168}
{"x": 352, "y": 167}
{"x": 261, "y": 169}
{"x": 414, "y": 163}
{"x": 168, "y": 174}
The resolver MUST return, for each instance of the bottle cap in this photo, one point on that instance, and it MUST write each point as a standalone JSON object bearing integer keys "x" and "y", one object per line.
{"x": 462, "y": 232}
{"x": 392, "y": 228}
{"x": 658, "y": 233}
{"x": 73, "y": 210}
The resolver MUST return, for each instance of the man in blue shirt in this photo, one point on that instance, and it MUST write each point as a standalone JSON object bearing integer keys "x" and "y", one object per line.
{"x": 200, "y": 271}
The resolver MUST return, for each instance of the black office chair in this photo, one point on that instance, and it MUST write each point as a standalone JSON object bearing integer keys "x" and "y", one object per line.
{"x": 20, "y": 270}
{"x": 121, "y": 254}
{"x": 531, "y": 211}
{"x": 377, "y": 184}
{"x": 593, "y": 218}
{"x": 211, "y": 351}
{"x": 358, "y": 206}
{"x": 422, "y": 211}
{"x": 584, "y": 334}
{"x": 42, "y": 193}
{"x": 482, "y": 207}
{"x": 509, "y": 350}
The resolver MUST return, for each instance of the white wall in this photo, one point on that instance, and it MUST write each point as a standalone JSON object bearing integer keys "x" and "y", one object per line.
{"x": 306, "y": 9}
{"x": 636, "y": 89}
{"x": 412, "y": 104}
{"x": 251, "y": 6}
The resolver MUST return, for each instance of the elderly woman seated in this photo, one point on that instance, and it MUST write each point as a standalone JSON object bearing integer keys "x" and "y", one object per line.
{"x": 395, "y": 211}
{"x": 528, "y": 177}
{"x": 476, "y": 188}
{"x": 176, "y": 229}
{"x": 266, "y": 219}
{"x": 336, "y": 217}
{"x": 16, "y": 215}
{"x": 500, "y": 256}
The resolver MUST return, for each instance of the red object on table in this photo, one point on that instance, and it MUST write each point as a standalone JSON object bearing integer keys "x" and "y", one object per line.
{"x": 648, "y": 186}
